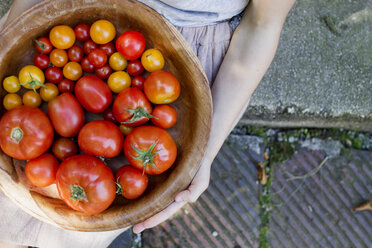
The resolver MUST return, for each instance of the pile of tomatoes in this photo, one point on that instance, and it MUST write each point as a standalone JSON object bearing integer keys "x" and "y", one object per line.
{"x": 79, "y": 71}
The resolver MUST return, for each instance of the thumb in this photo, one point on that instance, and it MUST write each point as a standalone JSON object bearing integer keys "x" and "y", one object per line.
{"x": 192, "y": 193}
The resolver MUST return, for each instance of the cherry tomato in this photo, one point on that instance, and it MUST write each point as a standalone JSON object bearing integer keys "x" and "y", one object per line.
{"x": 63, "y": 148}
{"x": 41, "y": 61}
{"x": 97, "y": 57}
{"x": 49, "y": 92}
{"x": 132, "y": 181}
{"x": 108, "y": 115}
{"x": 101, "y": 138}
{"x": 43, "y": 45}
{"x": 65, "y": 85}
{"x": 75, "y": 53}
{"x": 82, "y": 32}
{"x": 26, "y": 133}
{"x": 102, "y": 31}
{"x": 131, "y": 44}
{"x": 31, "y": 98}
{"x": 93, "y": 94}
{"x": 89, "y": 46}
{"x": 118, "y": 81}
{"x": 162, "y": 87}
{"x": 151, "y": 149}
{"x": 86, "y": 65}
{"x": 165, "y": 116}
{"x": 11, "y": 84}
{"x": 58, "y": 57}
{"x": 152, "y": 60}
{"x": 53, "y": 74}
{"x": 109, "y": 48}
{"x": 125, "y": 129}
{"x": 31, "y": 77}
{"x": 62, "y": 36}
{"x": 41, "y": 171}
{"x": 135, "y": 68}
{"x": 86, "y": 184}
{"x": 66, "y": 114}
{"x": 138, "y": 82}
{"x": 12, "y": 101}
{"x": 103, "y": 72}
{"x": 117, "y": 62}
{"x": 72, "y": 71}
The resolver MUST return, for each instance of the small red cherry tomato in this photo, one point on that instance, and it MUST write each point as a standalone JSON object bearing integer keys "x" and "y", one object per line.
{"x": 135, "y": 68}
{"x": 65, "y": 85}
{"x": 63, "y": 148}
{"x": 89, "y": 46}
{"x": 138, "y": 82}
{"x": 109, "y": 48}
{"x": 86, "y": 65}
{"x": 82, "y": 32}
{"x": 103, "y": 72}
{"x": 131, "y": 44}
{"x": 53, "y": 74}
{"x": 165, "y": 116}
{"x": 108, "y": 115}
{"x": 43, "y": 45}
{"x": 132, "y": 182}
{"x": 97, "y": 57}
{"x": 75, "y": 53}
{"x": 41, "y": 61}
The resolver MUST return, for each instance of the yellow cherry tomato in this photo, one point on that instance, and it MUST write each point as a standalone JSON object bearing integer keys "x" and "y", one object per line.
{"x": 125, "y": 129}
{"x": 58, "y": 57}
{"x": 11, "y": 101}
{"x": 11, "y": 84}
{"x": 49, "y": 92}
{"x": 62, "y": 36}
{"x": 31, "y": 77}
{"x": 72, "y": 71}
{"x": 102, "y": 32}
{"x": 119, "y": 81}
{"x": 117, "y": 62}
{"x": 152, "y": 60}
{"x": 31, "y": 98}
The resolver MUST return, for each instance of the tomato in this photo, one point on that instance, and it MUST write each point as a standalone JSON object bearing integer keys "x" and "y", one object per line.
{"x": 102, "y": 31}
{"x": 26, "y": 133}
{"x": 86, "y": 184}
{"x": 109, "y": 48}
{"x": 31, "y": 98}
{"x": 103, "y": 72}
{"x": 118, "y": 81}
{"x": 62, "y": 36}
{"x": 72, "y": 71}
{"x": 152, "y": 60}
{"x": 31, "y": 77}
{"x": 58, "y": 57}
{"x": 131, "y": 107}
{"x": 101, "y": 138}
{"x": 162, "y": 87}
{"x": 82, "y": 32}
{"x": 165, "y": 116}
{"x": 49, "y": 92}
{"x": 135, "y": 68}
{"x": 41, "y": 61}
{"x": 66, "y": 85}
{"x": 131, "y": 44}
{"x": 117, "y": 62}
{"x": 132, "y": 181}
{"x": 66, "y": 114}
{"x": 93, "y": 94}
{"x": 54, "y": 74}
{"x": 97, "y": 57}
{"x": 41, "y": 171}
{"x": 138, "y": 82}
{"x": 63, "y": 148}
{"x": 12, "y": 101}
{"x": 151, "y": 149}
{"x": 43, "y": 45}
{"x": 125, "y": 129}
{"x": 89, "y": 46}
{"x": 86, "y": 65}
{"x": 11, "y": 84}
{"x": 75, "y": 53}
{"x": 108, "y": 115}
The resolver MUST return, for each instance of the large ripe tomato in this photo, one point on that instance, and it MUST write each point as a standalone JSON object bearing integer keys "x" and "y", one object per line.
{"x": 41, "y": 171}
{"x": 26, "y": 133}
{"x": 131, "y": 107}
{"x": 151, "y": 149}
{"x": 62, "y": 36}
{"x": 31, "y": 77}
{"x": 131, "y": 44}
{"x": 101, "y": 138}
{"x": 86, "y": 184}
{"x": 93, "y": 94}
{"x": 102, "y": 31}
{"x": 165, "y": 116}
{"x": 162, "y": 87}
{"x": 131, "y": 182}
{"x": 66, "y": 115}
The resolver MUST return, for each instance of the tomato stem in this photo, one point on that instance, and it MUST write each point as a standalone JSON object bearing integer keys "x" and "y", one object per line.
{"x": 78, "y": 193}
{"x": 41, "y": 45}
{"x": 119, "y": 188}
{"x": 137, "y": 114}
{"x": 146, "y": 157}
{"x": 16, "y": 134}
{"x": 33, "y": 83}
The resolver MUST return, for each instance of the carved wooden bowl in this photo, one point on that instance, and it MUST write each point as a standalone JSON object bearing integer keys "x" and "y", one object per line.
{"x": 191, "y": 132}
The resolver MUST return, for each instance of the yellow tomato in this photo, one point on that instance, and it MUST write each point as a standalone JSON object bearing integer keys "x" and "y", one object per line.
{"x": 102, "y": 32}
{"x": 31, "y": 77}
{"x": 62, "y": 36}
{"x": 117, "y": 62}
{"x": 72, "y": 71}
{"x": 119, "y": 81}
{"x": 31, "y": 98}
{"x": 11, "y": 84}
{"x": 58, "y": 57}
{"x": 125, "y": 129}
{"x": 11, "y": 101}
{"x": 152, "y": 60}
{"x": 49, "y": 92}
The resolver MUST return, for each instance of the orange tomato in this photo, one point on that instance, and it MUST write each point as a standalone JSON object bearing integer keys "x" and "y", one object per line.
{"x": 62, "y": 36}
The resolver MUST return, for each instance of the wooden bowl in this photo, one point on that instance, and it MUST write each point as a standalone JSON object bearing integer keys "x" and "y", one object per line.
{"x": 194, "y": 108}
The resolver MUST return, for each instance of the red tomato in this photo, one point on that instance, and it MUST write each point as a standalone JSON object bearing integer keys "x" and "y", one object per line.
{"x": 86, "y": 65}
{"x": 151, "y": 149}
{"x": 138, "y": 82}
{"x": 75, "y": 53}
{"x": 66, "y": 115}
{"x": 53, "y": 74}
{"x": 135, "y": 68}
{"x": 93, "y": 94}
{"x": 131, "y": 107}
{"x": 109, "y": 48}
{"x": 131, "y": 182}
{"x": 86, "y": 184}
{"x": 63, "y": 148}
{"x": 108, "y": 115}
{"x": 162, "y": 87}
{"x": 82, "y": 32}
{"x": 101, "y": 138}
{"x": 42, "y": 171}
{"x": 103, "y": 72}
{"x": 43, "y": 45}
{"x": 165, "y": 116}
{"x": 26, "y": 132}
{"x": 97, "y": 57}
{"x": 66, "y": 85}
{"x": 89, "y": 46}
{"x": 131, "y": 44}
{"x": 41, "y": 61}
